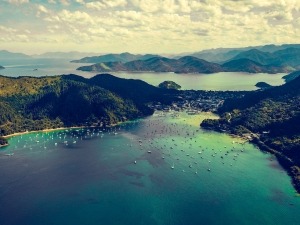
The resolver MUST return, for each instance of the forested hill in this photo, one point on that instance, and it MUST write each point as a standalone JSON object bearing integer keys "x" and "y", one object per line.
{"x": 28, "y": 103}
{"x": 271, "y": 117}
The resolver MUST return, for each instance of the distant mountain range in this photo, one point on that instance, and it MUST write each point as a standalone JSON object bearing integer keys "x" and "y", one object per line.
{"x": 64, "y": 55}
{"x": 51, "y": 55}
{"x": 221, "y": 55}
{"x": 258, "y": 59}
{"x": 123, "y": 57}
{"x": 286, "y": 57}
{"x": 11, "y": 55}
{"x": 250, "y": 66}
{"x": 187, "y": 64}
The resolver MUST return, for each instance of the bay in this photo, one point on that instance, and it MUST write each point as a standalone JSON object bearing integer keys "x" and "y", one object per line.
{"x": 123, "y": 175}
{"x": 218, "y": 81}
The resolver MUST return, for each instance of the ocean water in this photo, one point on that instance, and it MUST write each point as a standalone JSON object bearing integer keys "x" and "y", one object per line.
{"x": 217, "y": 81}
{"x": 161, "y": 170}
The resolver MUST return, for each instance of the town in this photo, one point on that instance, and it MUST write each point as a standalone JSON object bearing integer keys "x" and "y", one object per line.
{"x": 197, "y": 101}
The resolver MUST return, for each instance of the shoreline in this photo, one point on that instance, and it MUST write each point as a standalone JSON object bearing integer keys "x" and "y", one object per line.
{"x": 36, "y": 131}
{"x": 287, "y": 164}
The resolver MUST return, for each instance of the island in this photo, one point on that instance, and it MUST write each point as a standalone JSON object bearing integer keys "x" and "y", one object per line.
{"x": 123, "y": 57}
{"x": 263, "y": 85}
{"x": 169, "y": 85}
{"x": 186, "y": 64}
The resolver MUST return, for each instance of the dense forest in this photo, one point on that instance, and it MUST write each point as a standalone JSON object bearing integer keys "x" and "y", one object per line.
{"x": 28, "y": 103}
{"x": 271, "y": 119}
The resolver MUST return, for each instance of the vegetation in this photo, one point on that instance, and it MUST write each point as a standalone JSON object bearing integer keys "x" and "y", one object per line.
{"x": 187, "y": 64}
{"x": 169, "y": 85}
{"x": 263, "y": 85}
{"x": 28, "y": 103}
{"x": 123, "y": 57}
{"x": 271, "y": 118}
{"x": 3, "y": 141}
{"x": 291, "y": 76}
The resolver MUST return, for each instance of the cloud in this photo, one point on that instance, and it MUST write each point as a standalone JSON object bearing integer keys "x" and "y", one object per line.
{"x": 42, "y": 9}
{"x": 104, "y": 4}
{"x": 9, "y": 34}
{"x": 141, "y": 25}
{"x": 65, "y": 2}
{"x": 80, "y": 1}
{"x": 17, "y": 2}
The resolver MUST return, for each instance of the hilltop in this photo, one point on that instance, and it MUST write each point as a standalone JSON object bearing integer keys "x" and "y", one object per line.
{"x": 186, "y": 64}
{"x": 123, "y": 57}
{"x": 250, "y": 66}
{"x": 289, "y": 57}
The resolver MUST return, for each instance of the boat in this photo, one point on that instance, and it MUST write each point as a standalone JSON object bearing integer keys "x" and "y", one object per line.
{"x": 172, "y": 167}
{"x": 9, "y": 154}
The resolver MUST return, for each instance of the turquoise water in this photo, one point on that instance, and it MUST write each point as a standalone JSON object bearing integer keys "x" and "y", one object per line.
{"x": 217, "y": 81}
{"x": 109, "y": 177}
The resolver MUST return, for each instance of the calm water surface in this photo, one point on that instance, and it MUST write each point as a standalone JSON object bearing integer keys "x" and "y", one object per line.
{"x": 217, "y": 81}
{"x": 158, "y": 170}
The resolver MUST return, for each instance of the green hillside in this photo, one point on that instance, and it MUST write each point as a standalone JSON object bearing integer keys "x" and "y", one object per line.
{"x": 28, "y": 103}
{"x": 271, "y": 119}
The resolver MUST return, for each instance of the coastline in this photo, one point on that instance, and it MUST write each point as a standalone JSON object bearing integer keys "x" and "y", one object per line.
{"x": 36, "y": 131}
{"x": 3, "y": 145}
{"x": 286, "y": 163}
{"x": 292, "y": 169}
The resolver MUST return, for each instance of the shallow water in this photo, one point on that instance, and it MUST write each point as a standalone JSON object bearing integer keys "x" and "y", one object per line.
{"x": 90, "y": 177}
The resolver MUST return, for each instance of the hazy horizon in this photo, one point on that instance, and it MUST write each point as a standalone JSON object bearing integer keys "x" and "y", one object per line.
{"x": 145, "y": 26}
{"x": 120, "y": 52}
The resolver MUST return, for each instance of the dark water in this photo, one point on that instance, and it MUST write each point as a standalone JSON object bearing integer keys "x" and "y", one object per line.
{"x": 90, "y": 177}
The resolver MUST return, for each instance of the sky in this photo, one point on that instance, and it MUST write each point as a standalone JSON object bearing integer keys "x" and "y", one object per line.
{"x": 145, "y": 26}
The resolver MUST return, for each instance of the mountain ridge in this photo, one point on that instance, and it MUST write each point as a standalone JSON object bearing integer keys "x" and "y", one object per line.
{"x": 122, "y": 57}
{"x": 186, "y": 64}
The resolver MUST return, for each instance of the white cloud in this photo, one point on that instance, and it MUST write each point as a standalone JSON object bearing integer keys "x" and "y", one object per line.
{"x": 104, "y": 4}
{"x": 173, "y": 25}
{"x": 80, "y": 1}
{"x": 42, "y": 9}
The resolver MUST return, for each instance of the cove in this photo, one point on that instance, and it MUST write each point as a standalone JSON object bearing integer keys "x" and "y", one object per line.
{"x": 163, "y": 169}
